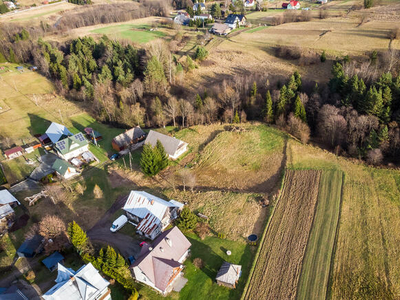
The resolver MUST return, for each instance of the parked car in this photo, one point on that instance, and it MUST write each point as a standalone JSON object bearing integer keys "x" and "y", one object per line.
{"x": 118, "y": 223}
{"x": 114, "y": 156}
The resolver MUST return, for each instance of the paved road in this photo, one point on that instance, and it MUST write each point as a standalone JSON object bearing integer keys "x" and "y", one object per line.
{"x": 100, "y": 232}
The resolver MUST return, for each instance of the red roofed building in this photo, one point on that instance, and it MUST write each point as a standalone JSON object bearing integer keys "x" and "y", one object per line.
{"x": 160, "y": 265}
{"x": 294, "y": 5}
{"x": 14, "y": 152}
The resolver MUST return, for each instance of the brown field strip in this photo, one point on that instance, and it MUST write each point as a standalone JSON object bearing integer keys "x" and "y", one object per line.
{"x": 277, "y": 269}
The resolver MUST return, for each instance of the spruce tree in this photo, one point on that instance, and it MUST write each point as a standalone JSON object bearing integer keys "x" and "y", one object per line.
{"x": 236, "y": 118}
{"x": 299, "y": 110}
{"x": 297, "y": 78}
{"x": 162, "y": 156}
{"x": 281, "y": 106}
{"x": 187, "y": 219}
{"x": 198, "y": 103}
{"x": 148, "y": 161}
{"x": 77, "y": 236}
{"x": 253, "y": 91}
{"x": 268, "y": 113}
{"x": 323, "y": 56}
{"x": 120, "y": 261}
{"x": 111, "y": 257}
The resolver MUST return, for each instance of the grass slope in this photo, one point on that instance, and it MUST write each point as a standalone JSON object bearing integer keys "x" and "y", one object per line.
{"x": 314, "y": 277}
{"x": 135, "y": 33}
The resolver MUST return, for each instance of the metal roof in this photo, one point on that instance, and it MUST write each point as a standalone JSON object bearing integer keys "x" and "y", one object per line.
{"x": 56, "y": 131}
{"x": 128, "y": 136}
{"x": 170, "y": 144}
{"x": 71, "y": 143}
{"x": 5, "y": 210}
{"x": 7, "y": 197}
{"x": 52, "y": 260}
{"x": 229, "y": 273}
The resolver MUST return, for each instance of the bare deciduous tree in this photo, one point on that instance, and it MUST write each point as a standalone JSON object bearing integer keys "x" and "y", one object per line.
{"x": 374, "y": 156}
{"x": 172, "y": 109}
{"x": 331, "y": 125}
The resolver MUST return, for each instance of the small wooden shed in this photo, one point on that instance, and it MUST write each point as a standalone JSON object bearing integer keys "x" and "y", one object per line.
{"x": 228, "y": 275}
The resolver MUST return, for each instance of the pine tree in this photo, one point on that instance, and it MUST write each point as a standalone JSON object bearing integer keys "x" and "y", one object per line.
{"x": 11, "y": 56}
{"x": 162, "y": 156}
{"x": 198, "y": 103}
{"x": 187, "y": 219}
{"x": 281, "y": 106}
{"x": 297, "y": 78}
{"x": 373, "y": 140}
{"x": 387, "y": 96}
{"x": 268, "y": 112}
{"x": 253, "y": 91}
{"x": 299, "y": 110}
{"x": 236, "y": 118}
{"x": 111, "y": 257}
{"x": 77, "y": 82}
{"x": 323, "y": 56}
{"x": 77, "y": 236}
{"x": 292, "y": 85}
{"x": 148, "y": 161}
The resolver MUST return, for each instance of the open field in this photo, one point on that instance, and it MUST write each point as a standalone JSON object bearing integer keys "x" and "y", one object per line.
{"x": 366, "y": 253}
{"x": 134, "y": 33}
{"x": 314, "y": 277}
{"x": 278, "y": 266}
{"x": 255, "y": 156}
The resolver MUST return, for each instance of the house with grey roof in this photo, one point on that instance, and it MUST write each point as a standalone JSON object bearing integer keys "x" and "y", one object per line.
{"x": 57, "y": 132}
{"x": 72, "y": 146}
{"x": 150, "y": 214}
{"x": 202, "y": 6}
{"x": 229, "y": 274}
{"x": 64, "y": 169}
{"x": 84, "y": 284}
{"x": 173, "y": 147}
{"x": 12, "y": 293}
{"x": 160, "y": 264}
{"x": 130, "y": 137}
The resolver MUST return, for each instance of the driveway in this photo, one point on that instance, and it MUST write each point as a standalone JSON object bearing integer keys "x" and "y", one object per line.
{"x": 100, "y": 232}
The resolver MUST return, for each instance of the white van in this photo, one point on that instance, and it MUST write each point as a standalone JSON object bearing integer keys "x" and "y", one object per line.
{"x": 118, "y": 223}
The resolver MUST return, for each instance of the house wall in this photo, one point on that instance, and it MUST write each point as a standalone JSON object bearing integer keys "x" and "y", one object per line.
{"x": 225, "y": 284}
{"x": 116, "y": 147}
{"x": 75, "y": 153}
{"x": 184, "y": 256}
{"x": 14, "y": 155}
{"x": 179, "y": 152}
{"x": 70, "y": 173}
{"x": 141, "y": 277}
{"x": 104, "y": 295}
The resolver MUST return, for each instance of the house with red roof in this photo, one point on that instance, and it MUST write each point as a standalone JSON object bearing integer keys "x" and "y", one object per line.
{"x": 294, "y": 5}
{"x": 14, "y": 152}
{"x": 160, "y": 264}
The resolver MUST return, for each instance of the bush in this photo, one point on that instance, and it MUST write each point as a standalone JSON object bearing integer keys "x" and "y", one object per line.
{"x": 30, "y": 276}
{"x": 222, "y": 235}
{"x": 187, "y": 220}
{"x": 202, "y": 230}
{"x": 201, "y": 53}
{"x": 323, "y": 56}
{"x": 198, "y": 263}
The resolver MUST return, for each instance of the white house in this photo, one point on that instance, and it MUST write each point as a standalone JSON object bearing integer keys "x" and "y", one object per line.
{"x": 56, "y": 132}
{"x": 84, "y": 284}
{"x": 160, "y": 265}
{"x": 173, "y": 147}
{"x": 9, "y": 4}
{"x": 233, "y": 20}
{"x": 72, "y": 146}
{"x": 7, "y": 202}
{"x": 149, "y": 213}
{"x": 202, "y": 6}
{"x": 203, "y": 17}
{"x": 64, "y": 169}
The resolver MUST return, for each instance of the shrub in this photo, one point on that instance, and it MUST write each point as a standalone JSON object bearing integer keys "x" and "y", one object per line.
{"x": 222, "y": 235}
{"x": 198, "y": 263}
{"x": 202, "y": 230}
{"x": 30, "y": 276}
{"x": 323, "y": 56}
{"x": 187, "y": 220}
{"x": 201, "y": 53}
{"x": 98, "y": 193}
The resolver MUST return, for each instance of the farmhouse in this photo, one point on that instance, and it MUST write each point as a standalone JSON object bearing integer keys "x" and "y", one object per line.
{"x": 57, "y": 132}
{"x": 14, "y": 152}
{"x": 173, "y": 147}
{"x": 234, "y": 20}
{"x": 129, "y": 137}
{"x": 182, "y": 18}
{"x": 72, "y": 146}
{"x": 7, "y": 202}
{"x": 160, "y": 265}
{"x": 84, "y": 284}
{"x": 249, "y": 3}
{"x": 228, "y": 275}
{"x": 149, "y": 213}
{"x": 202, "y": 6}
{"x": 293, "y": 5}
{"x": 220, "y": 29}
{"x": 64, "y": 169}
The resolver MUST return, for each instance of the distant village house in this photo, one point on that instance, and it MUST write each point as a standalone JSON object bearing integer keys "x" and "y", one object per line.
{"x": 220, "y": 29}
{"x": 14, "y": 152}
{"x": 233, "y": 20}
{"x": 57, "y": 132}
{"x": 7, "y": 215}
{"x": 72, "y": 146}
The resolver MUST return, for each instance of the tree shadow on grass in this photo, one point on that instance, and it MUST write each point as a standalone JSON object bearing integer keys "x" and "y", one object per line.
{"x": 38, "y": 126}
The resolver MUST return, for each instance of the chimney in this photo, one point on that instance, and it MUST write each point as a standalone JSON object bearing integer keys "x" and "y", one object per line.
{"x": 169, "y": 242}
{"x": 152, "y": 202}
{"x": 161, "y": 249}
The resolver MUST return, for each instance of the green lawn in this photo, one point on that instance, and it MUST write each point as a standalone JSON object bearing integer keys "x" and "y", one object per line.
{"x": 256, "y": 29}
{"x": 136, "y": 33}
{"x": 201, "y": 283}
{"x": 8, "y": 251}
{"x": 314, "y": 277}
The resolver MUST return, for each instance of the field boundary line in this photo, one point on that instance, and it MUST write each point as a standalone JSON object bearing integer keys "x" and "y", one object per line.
{"x": 328, "y": 295}
{"x": 251, "y": 273}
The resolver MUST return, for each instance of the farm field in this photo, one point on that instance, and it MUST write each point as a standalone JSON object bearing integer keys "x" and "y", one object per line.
{"x": 314, "y": 277}
{"x": 134, "y": 33}
{"x": 278, "y": 266}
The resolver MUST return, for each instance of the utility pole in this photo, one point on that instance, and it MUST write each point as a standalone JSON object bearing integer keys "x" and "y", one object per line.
{"x": 130, "y": 160}
{"x": 123, "y": 158}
